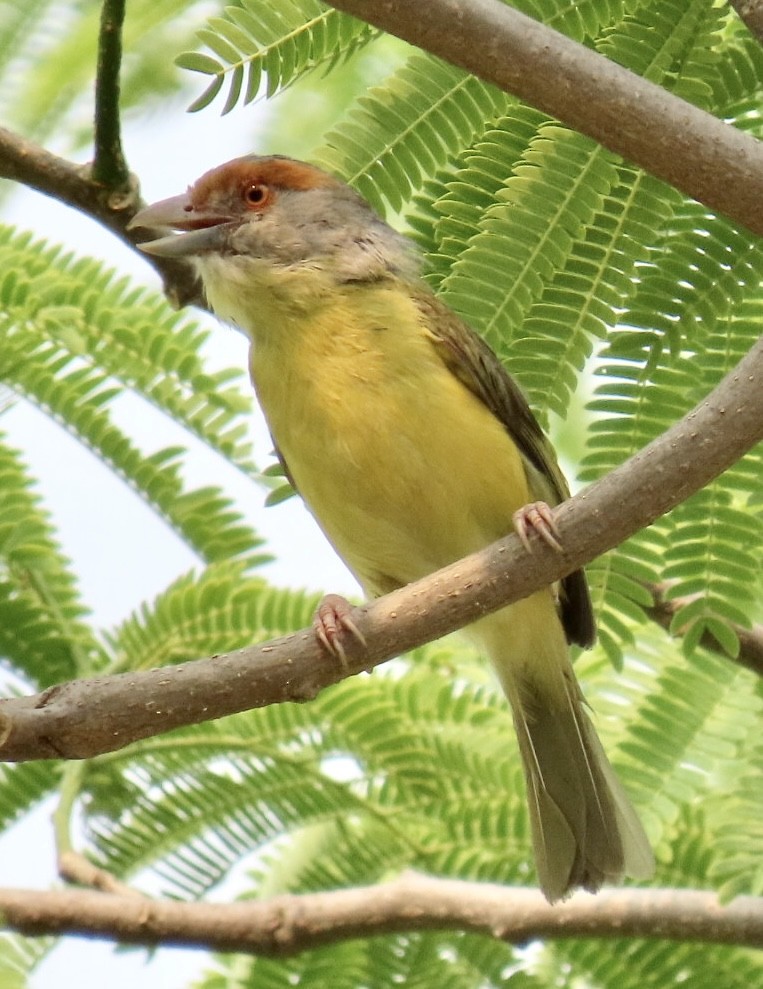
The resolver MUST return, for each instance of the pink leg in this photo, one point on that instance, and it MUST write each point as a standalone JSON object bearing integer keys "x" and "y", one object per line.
{"x": 332, "y": 621}
{"x": 536, "y": 517}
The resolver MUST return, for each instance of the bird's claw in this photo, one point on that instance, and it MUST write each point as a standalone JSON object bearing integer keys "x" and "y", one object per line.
{"x": 536, "y": 517}
{"x": 332, "y": 619}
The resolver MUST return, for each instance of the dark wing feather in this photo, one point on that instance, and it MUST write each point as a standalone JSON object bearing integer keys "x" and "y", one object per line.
{"x": 470, "y": 359}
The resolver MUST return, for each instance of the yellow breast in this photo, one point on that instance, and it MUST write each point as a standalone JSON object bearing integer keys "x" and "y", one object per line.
{"x": 404, "y": 469}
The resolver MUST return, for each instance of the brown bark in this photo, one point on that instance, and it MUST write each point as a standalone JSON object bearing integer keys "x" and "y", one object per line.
{"x": 86, "y": 717}
{"x": 289, "y": 924}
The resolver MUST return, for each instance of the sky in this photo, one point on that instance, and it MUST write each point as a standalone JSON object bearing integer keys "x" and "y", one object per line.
{"x": 122, "y": 552}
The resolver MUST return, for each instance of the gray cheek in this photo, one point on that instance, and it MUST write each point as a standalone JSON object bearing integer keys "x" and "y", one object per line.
{"x": 265, "y": 239}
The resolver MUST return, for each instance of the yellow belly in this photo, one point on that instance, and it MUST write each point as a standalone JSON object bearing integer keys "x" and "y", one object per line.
{"x": 404, "y": 469}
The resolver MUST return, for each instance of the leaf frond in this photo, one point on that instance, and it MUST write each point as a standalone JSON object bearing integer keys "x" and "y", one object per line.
{"x": 42, "y": 631}
{"x": 219, "y": 610}
{"x": 279, "y": 42}
{"x": 400, "y": 133}
{"x": 77, "y": 343}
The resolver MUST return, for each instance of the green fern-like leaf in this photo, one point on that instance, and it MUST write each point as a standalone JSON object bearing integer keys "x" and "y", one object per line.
{"x": 420, "y": 959}
{"x": 736, "y": 813}
{"x": 42, "y": 631}
{"x": 446, "y": 213}
{"x": 653, "y": 964}
{"x": 585, "y": 296}
{"x": 45, "y": 72}
{"x": 399, "y": 133}
{"x": 77, "y": 339}
{"x": 713, "y": 553}
{"x": 280, "y": 41}
{"x": 82, "y": 307}
{"x": 217, "y": 611}
{"x": 204, "y": 818}
{"x": 674, "y": 44}
{"x": 18, "y": 957}
{"x": 618, "y": 588}
{"x": 529, "y": 231}
{"x": 692, "y": 706}
{"x": 693, "y": 314}
{"x": 738, "y": 81}
{"x": 23, "y": 786}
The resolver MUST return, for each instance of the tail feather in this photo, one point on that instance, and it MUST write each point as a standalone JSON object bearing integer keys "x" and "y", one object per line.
{"x": 585, "y": 831}
{"x": 638, "y": 858}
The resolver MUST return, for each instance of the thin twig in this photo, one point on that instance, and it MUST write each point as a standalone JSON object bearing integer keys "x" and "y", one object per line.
{"x": 287, "y": 925}
{"x": 75, "y": 868}
{"x": 87, "y": 717}
{"x": 109, "y": 165}
{"x": 664, "y": 610}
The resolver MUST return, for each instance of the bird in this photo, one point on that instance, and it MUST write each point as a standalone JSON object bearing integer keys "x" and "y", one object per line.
{"x": 412, "y": 447}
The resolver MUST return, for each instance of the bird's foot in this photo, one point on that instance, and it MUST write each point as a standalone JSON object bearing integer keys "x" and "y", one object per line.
{"x": 333, "y": 622}
{"x": 536, "y": 517}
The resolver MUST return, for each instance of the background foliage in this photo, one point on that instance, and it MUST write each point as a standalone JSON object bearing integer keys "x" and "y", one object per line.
{"x": 617, "y": 304}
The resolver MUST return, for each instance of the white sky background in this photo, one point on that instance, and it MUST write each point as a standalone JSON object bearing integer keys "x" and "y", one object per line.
{"x": 122, "y": 552}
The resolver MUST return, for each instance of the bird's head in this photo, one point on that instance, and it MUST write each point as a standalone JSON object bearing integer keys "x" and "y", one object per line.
{"x": 281, "y": 212}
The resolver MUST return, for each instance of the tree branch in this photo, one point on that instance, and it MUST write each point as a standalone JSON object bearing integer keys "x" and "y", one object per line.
{"x": 75, "y": 868}
{"x": 664, "y": 610}
{"x": 590, "y": 93}
{"x": 109, "y": 165}
{"x": 287, "y": 925}
{"x": 712, "y": 161}
{"x": 694, "y": 151}
{"x": 751, "y": 12}
{"x": 87, "y": 717}
{"x": 30, "y": 164}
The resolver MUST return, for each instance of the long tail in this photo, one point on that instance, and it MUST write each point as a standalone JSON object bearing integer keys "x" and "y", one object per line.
{"x": 585, "y": 831}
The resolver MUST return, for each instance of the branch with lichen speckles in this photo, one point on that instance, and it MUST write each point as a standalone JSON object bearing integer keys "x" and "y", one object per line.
{"x": 87, "y": 717}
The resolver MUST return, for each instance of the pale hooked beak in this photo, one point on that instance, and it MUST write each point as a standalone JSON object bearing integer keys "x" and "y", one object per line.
{"x": 200, "y": 230}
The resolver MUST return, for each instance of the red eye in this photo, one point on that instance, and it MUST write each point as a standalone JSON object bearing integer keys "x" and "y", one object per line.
{"x": 256, "y": 194}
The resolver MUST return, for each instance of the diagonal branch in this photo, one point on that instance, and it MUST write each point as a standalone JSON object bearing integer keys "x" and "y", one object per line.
{"x": 700, "y": 155}
{"x": 694, "y": 151}
{"x": 587, "y": 91}
{"x": 751, "y": 12}
{"x": 87, "y": 717}
{"x": 287, "y": 925}
{"x": 23, "y": 161}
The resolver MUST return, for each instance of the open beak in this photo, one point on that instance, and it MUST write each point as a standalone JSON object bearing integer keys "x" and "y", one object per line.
{"x": 199, "y": 231}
